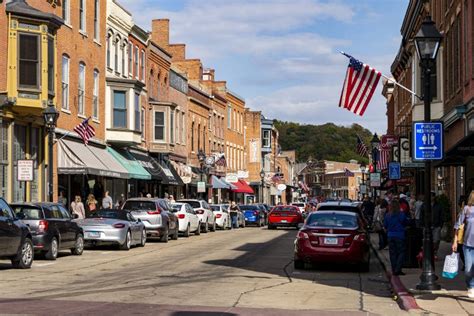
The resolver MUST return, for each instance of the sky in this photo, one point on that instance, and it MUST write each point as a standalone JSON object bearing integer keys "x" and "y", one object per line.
{"x": 282, "y": 56}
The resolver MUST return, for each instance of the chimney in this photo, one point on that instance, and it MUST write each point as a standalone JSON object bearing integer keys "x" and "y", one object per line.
{"x": 208, "y": 74}
{"x": 178, "y": 51}
{"x": 160, "y": 32}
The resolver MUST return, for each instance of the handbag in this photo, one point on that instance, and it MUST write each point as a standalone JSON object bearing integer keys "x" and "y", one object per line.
{"x": 451, "y": 266}
{"x": 460, "y": 234}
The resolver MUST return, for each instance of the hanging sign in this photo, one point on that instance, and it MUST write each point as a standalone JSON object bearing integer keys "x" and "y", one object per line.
{"x": 375, "y": 179}
{"x": 231, "y": 178}
{"x": 281, "y": 187}
{"x": 201, "y": 187}
{"x": 25, "y": 170}
{"x": 428, "y": 141}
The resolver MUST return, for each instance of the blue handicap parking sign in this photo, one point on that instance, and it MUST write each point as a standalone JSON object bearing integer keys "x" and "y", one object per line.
{"x": 394, "y": 171}
{"x": 428, "y": 141}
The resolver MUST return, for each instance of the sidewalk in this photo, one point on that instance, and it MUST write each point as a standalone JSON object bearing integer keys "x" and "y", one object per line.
{"x": 450, "y": 300}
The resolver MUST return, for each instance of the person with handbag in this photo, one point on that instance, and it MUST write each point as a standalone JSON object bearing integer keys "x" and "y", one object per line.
{"x": 464, "y": 232}
{"x": 379, "y": 215}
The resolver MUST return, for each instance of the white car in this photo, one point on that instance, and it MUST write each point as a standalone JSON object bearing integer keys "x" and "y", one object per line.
{"x": 187, "y": 219}
{"x": 223, "y": 220}
{"x": 300, "y": 206}
{"x": 203, "y": 211}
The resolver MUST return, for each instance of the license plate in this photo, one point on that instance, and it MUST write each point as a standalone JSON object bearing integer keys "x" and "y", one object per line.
{"x": 92, "y": 234}
{"x": 284, "y": 221}
{"x": 330, "y": 241}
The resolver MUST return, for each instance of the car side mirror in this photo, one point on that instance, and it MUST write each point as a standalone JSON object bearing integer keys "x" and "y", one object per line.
{"x": 139, "y": 220}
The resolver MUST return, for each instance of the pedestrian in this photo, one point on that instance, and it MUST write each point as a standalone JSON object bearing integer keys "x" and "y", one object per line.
{"x": 171, "y": 198}
{"x": 379, "y": 216}
{"x": 77, "y": 208}
{"x": 107, "y": 202}
{"x": 395, "y": 222}
{"x": 460, "y": 233}
{"x": 148, "y": 196}
{"x": 234, "y": 211}
{"x": 91, "y": 204}
{"x": 368, "y": 209}
{"x": 120, "y": 202}
{"x": 404, "y": 205}
{"x": 466, "y": 222}
{"x": 437, "y": 224}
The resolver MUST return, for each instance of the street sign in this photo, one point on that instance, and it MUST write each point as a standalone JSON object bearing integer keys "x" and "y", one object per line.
{"x": 25, "y": 170}
{"x": 410, "y": 164}
{"x": 363, "y": 189}
{"x": 375, "y": 179}
{"x": 428, "y": 141}
{"x": 394, "y": 171}
{"x": 201, "y": 187}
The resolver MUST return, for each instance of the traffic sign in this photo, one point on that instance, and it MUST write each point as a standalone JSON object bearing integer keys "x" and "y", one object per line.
{"x": 394, "y": 171}
{"x": 428, "y": 141}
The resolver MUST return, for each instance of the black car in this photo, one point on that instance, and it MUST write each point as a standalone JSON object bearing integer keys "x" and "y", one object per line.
{"x": 52, "y": 228}
{"x": 15, "y": 238}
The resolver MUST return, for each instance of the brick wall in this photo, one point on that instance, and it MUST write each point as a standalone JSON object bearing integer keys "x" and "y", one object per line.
{"x": 253, "y": 132}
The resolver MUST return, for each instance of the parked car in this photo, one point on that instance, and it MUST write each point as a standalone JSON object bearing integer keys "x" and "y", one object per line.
{"x": 52, "y": 228}
{"x": 203, "y": 210}
{"x": 16, "y": 242}
{"x": 285, "y": 216}
{"x": 253, "y": 215}
{"x": 114, "y": 227}
{"x": 156, "y": 215}
{"x": 265, "y": 210}
{"x": 334, "y": 237}
{"x": 240, "y": 216}
{"x": 187, "y": 218}
{"x": 223, "y": 220}
{"x": 300, "y": 205}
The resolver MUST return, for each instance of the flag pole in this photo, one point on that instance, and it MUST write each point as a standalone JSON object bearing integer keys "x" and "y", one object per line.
{"x": 391, "y": 80}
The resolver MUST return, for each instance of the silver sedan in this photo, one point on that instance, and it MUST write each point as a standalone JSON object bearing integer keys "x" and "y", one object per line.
{"x": 113, "y": 227}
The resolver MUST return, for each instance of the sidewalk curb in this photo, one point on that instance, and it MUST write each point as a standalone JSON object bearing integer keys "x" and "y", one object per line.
{"x": 404, "y": 298}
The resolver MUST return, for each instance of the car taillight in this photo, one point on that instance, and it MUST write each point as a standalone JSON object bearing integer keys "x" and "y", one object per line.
{"x": 43, "y": 226}
{"x": 119, "y": 225}
{"x": 360, "y": 237}
{"x": 218, "y": 215}
{"x": 181, "y": 216}
{"x": 255, "y": 213}
{"x": 156, "y": 212}
{"x": 302, "y": 235}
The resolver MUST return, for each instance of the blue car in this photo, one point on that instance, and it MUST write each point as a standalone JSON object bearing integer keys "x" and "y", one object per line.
{"x": 253, "y": 215}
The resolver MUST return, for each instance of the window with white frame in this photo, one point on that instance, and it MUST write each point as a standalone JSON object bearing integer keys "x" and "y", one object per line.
{"x": 109, "y": 42}
{"x": 135, "y": 57}
{"x": 229, "y": 117}
{"x": 177, "y": 129}
{"x": 266, "y": 138}
{"x": 66, "y": 7}
{"x": 137, "y": 112}
{"x": 65, "y": 82}
{"x": 81, "y": 96}
{"x": 130, "y": 59}
{"x": 116, "y": 54}
{"x": 29, "y": 61}
{"x": 82, "y": 15}
{"x": 119, "y": 109}
{"x": 159, "y": 128}
{"x": 142, "y": 65}
{"x": 143, "y": 123}
{"x": 95, "y": 97}
{"x": 183, "y": 128}
{"x": 123, "y": 48}
{"x": 96, "y": 20}
{"x": 172, "y": 126}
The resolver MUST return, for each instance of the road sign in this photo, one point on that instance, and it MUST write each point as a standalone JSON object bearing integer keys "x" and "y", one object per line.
{"x": 394, "y": 171}
{"x": 428, "y": 141}
{"x": 201, "y": 187}
{"x": 375, "y": 179}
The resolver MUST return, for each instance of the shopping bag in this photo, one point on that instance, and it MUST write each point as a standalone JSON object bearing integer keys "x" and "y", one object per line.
{"x": 451, "y": 266}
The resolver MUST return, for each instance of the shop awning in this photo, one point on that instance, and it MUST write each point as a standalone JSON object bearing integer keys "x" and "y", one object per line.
{"x": 76, "y": 158}
{"x": 172, "y": 174}
{"x": 150, "y": 164}
{"x": 219, "y": 184}
{"x": 231, "y": 186}
{"x": 242, "y": 187}
{"x": 134, "y": 168}
{"x": 457, "y": 155}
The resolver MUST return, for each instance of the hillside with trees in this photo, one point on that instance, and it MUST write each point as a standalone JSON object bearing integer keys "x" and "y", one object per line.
{"x": 328, "y": 141}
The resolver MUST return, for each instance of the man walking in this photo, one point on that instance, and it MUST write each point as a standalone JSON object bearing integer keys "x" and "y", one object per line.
{"x": 234, "y": 210}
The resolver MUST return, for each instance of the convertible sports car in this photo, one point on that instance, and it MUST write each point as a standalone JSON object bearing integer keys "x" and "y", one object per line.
{"x": 113, "y": 227}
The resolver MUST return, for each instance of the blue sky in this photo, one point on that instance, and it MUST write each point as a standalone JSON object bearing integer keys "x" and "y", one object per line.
{"x": 282, "y": 55}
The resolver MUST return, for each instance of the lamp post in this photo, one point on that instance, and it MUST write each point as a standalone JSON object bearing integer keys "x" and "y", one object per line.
{"x": 363, "y": 167}
{"x": 427, "y": 42}
{"x": 375, "y": 142}
{"x": 202, "y": 158}
{"x": 50, "y": 116}
{"x": 262, "y": 179}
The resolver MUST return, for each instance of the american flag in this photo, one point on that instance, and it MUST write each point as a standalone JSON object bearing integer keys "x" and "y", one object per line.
{"x": 359, "y": 86}
{"x": 303, "y": 186}
{"x": 220, "y": 160}
{"x": 348, "y": 173}
{"x": 85, "y": 130}
{"x": 361, "y": 148}
{"x": 277, "y": 178}
{"x": 383, "y": 159}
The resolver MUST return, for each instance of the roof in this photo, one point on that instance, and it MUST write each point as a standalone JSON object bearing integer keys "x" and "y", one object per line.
{"x": 22, "y": 8}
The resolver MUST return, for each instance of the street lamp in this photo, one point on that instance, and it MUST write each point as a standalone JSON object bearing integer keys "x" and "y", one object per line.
{"x": 202, "y": 158}
{"x": 375, "y": 143}
{"x": 427, "y": 42}
{"x": 50, "y": 116}
{"x": 262, "y": 178}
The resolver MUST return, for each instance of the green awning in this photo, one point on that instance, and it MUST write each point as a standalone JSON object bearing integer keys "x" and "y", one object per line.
{"x": 133, "y": 167}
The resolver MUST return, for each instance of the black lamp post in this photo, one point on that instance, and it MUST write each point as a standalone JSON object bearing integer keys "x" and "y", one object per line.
{"x": 202, "y": 158}
{"x": 262, "y": 178}
{"x": 363, "y": 168}
{"x": 50, "y": 116}
{"x": 375, "y": 142}
{"x": 427, "y": 42}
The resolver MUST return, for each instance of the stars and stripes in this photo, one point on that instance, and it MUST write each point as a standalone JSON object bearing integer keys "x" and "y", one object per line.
{"x": 348, "y": 173}
{"x": 383, "y": 159}
{"x": 303, "y": 186}
{"x": 361, "y": 148}
{"x": 85, "y": 130}
{"x": 220, "y": 160}
{"x": 359, "y": 86}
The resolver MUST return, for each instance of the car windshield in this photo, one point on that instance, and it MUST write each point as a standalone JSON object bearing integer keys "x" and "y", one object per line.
{"x": 215, "y": 208}
{"x": 249, "y": 207}
{"x": 346, "y": 208}
{"x": 332, "y": 220}
{"x": 176, "y": 207}
{"x": 298, "y": 204}
{"x": 194, "y": 204}
{"x": 139, "y": 206}
{"x": 28, "y": 212}
{"x": 285, "y": 209}
{"x": 113, "y": 214}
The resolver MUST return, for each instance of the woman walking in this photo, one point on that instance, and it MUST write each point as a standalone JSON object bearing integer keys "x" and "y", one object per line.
{"x": 395, "y": 222}
{"x": 466, "y": 222}
{"x": 91, "y": 204}
{"x": 379, "y": 216}
{"x": 77, "y": 208}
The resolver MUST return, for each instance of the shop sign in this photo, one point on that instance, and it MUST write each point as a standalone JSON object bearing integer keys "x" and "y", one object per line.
{"x": 388, "y": 141}
{"x": 242, "y": 174}
{"x": 232, "y": 178}
{"x": 281, "y": 187}
{"x": 201, "y": 187}
{"x": 186, "y": 179}
{"x": 363, "y": 189}
{"x": 375, "y": 179}
{"x": 25, "y": 170}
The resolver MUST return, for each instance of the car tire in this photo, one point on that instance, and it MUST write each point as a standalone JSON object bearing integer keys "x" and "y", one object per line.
{"x": 165, "y": 237}
{"x": 52, "y": 253}
{"x": 128, "y": 242}
{"x": 187, "y": 231}
{"x": 206, "y": 228}
{"x": 176, "y": 233}
{"x": 271, "y": 227}
{"x": 198, "y": 230}
{"x": 299, "y": 264}
{"x": 78, "y": 246}
{"x": 213, "y": 227}
{"x": 24, "y": 259}
{"x": 364, "y": 266}
{"x": 143, "y": 239}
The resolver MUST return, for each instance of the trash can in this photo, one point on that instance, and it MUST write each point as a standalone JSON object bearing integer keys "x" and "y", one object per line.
{"x": 413, "y": 243}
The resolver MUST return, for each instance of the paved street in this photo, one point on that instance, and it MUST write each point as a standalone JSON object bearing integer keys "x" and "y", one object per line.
{"x": 246, "y": 271}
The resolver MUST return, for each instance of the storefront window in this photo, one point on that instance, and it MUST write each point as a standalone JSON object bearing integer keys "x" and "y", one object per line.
{"x": 3, "y": 158}
{"x": 19, "y": 153}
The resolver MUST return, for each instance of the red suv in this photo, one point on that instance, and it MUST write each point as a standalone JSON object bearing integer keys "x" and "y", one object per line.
{"x": 284, "y": 216}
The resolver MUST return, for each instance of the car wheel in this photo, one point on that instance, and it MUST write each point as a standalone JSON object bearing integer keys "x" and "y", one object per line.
{"x": 78, "y": 246}
{"x": 176, "y": 232}
{"x": 24, "y": 259}
{"x": 206, "y": 227}
{"x": 213, "y": 227}
{"x": 128, "y": 242}
{"x": 143, "y": 239}
{"x": 188, "y": 231}
{"x": 198, "y": 230}
{"x": 299, "y": 264}
{"x": 52, "y": 253}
